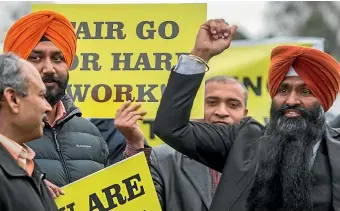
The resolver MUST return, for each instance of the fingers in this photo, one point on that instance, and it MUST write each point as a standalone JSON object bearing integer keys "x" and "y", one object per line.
{"x": 61, "y": 192}
{"x": 130, "y": 109}
{"x": 233, "y": 29}
{"x": 128, "y": 114}
{"x": 55, "y": 191}
{"x": 52, "y": 192}
{"x": 220, "y": 29}
{"x": 212, "y": 26}
{"x": 133, "y": 114}
{"x": 123, "y": 107}
{"x": 126, "y": 108}
{"x": 135, "y": 118}
{"x": 228, "y": 39}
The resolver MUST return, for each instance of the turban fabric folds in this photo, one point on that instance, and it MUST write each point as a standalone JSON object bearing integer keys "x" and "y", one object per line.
{"x": 317, "y": 69}
{"x": 26, "y": 33}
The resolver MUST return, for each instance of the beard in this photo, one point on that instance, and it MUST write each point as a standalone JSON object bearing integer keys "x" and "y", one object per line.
{"x": 284, "y": 180}
{"x": 53, "y": 95}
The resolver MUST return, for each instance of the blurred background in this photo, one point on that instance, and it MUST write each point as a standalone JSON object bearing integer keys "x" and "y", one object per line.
{"x": 256, "y": 20}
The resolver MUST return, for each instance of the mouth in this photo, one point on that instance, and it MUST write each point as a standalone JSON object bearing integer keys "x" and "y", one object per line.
{"x": 220, "y": 122}
{"x": 51, "y": 83}
{"x": 292, "y": 113}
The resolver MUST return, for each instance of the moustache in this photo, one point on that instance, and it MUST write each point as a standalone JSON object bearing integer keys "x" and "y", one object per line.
{"x": 304, "y": 112}
{"x": 50, "y": 79}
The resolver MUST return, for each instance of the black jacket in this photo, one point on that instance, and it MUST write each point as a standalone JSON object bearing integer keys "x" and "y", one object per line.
{"x": 18, "y": 191}
{"x": 72, "y": 149}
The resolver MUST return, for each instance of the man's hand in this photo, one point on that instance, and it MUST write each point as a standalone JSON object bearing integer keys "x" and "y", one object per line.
{"x": 54, "y": 190}
{"x": 213, "y": 37}
{"x": 126, "y": 122}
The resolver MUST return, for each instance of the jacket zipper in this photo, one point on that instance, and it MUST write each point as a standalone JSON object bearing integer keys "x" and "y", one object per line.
{"x": 61, "y": 156}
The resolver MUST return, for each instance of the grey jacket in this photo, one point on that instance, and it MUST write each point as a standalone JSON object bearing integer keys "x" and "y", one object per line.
{"x": 72, "y": 149}
{"x": 182, "y": 184}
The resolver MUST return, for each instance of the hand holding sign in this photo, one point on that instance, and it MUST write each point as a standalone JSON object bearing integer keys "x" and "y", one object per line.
{"x": 126, "y": 122}
{"x": 54, "y": 190}
{"x": 213, "y": 37}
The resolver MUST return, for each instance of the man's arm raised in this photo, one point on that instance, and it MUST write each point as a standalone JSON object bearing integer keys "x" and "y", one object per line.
{"x": 206, "y": 143}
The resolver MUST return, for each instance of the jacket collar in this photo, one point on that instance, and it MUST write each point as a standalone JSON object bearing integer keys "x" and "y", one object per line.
{"x": 71, "y": 109}
{"x": 9, "y": 164}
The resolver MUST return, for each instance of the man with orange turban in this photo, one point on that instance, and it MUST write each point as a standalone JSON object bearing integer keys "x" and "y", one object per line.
{"x": 292, "y": 163}
{"x": 71, "y": 147}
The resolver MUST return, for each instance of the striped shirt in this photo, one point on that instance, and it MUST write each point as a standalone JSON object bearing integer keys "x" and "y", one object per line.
{"x": 215, "y": 178}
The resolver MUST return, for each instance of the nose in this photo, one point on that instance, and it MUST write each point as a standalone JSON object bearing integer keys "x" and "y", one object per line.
{"x": 48, "y": 67}
{"x": 293, "y": 99}
{"x": 48, "y": 107}
{"x": 222, "y": 111}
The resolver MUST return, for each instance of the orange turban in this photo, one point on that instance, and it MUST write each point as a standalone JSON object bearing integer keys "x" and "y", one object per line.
{"x": 317, "y": 69}
{"x": 26, "y": 33}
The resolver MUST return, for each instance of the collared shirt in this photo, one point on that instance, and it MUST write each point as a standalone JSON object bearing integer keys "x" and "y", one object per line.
{"x": 61, "y": 112}
{"x": 215, "y": 179}
{"x": 22, "y": 154}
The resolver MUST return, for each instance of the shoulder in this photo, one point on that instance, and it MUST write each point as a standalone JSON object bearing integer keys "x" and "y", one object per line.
{"x": 250, "y": 125}
{"x": 163, "y": 150}
{"x": 164, "y": 153}
{"x": 334, "y": 132}
{"x": 83, "y": 129}
{"x": 80, "y": 124}
{"x": 249, "y": 121}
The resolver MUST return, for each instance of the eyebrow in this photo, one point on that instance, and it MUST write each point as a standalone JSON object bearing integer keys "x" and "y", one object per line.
{"x": 228, "y": 99}
{"x": 284, "y": 84}
{"x": 41, "y": 52}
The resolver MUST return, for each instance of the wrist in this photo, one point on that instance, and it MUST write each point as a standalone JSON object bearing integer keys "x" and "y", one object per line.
{"x": 203, "y": 54}
{"x": 136, "y": 144}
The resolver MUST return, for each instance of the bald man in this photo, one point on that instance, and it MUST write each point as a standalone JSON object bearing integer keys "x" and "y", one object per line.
{"x": 292, "y": 164}
{"x": 71, "y": 147}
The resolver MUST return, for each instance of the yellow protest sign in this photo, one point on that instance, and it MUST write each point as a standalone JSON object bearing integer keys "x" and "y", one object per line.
{"x": 125, "y": 52}
{"x": 124, "y": 186}
{"x": 249, "y": 62}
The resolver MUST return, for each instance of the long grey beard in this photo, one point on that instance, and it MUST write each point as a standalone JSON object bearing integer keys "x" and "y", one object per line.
{"x": 284, "y": 180}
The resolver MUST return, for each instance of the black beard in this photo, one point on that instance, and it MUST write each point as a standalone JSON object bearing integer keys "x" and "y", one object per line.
{"x": 284, "y": 180}
{"x": 54, "y": 95}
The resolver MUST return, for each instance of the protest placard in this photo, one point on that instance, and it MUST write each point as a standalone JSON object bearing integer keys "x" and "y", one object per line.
{"x": 126, "y": 52}
{"x": 125, "y": 186}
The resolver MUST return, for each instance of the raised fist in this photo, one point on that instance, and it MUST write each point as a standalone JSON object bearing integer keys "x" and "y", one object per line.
{"x": 213, "y": 37}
